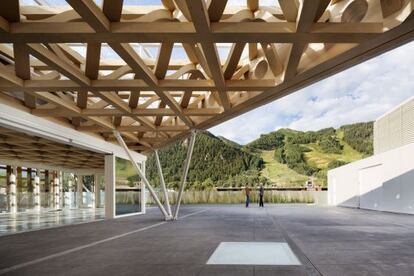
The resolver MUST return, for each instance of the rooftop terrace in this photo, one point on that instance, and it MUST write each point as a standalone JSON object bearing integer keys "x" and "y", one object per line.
{"x": 326, "y": 241}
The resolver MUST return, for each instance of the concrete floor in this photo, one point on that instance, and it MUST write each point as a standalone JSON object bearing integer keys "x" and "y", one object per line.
{"x": 327, "y": 241}
{"x": 29, "y": 221}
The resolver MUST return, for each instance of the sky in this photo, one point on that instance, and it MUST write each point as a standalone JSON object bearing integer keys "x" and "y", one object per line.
{"x": 361, "y": 93}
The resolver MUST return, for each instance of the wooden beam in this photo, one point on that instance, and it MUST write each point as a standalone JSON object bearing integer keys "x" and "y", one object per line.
{"x": 112, "y": 9}
{"x": 233, "y": 60}
{"x": 290, "y": 9}
{"x": 216, "y": 9}
{"x": 201, "y": 22}
{"x": 307, "y": 14}
{"x": 133, "y": 99}
{"x": 127, "y": 85}
{"x": 128, "y": 54}
{"x": 58, "y": 64}
{"x": 176, "y": 128}
{"x": 121, "y": 110}
{"x": 158, "y": 118}
{"x": 118, "y": 103}
{"x": 9, "y": 78}
{"x": 10, "y": 10}
{"x": 163, "y": 60}
{"x": 123, "y": 32}
{"x": 4, "y": 25}
{"x": 92, "y": 14}
{"x": 22, "y": 68}
{"x": 253, "y": 5}
{"x": 93, "y": 54}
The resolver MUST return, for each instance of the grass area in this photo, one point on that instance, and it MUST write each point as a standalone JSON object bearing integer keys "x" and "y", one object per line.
{"x": 234, "y": 197}
{"x": 280, "y": 174}
{"x": 319, "y": 159}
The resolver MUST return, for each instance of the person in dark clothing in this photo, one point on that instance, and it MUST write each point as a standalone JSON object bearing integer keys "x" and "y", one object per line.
{"x": 247, "y": 191}
{"x": 261, "y": 194}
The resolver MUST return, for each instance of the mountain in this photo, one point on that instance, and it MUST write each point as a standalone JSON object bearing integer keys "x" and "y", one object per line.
{"x": 284, "y": 157}
{"x": 230, "y": 142}
{"x": 215, "y": 161}
{"x": 291, "y": 157}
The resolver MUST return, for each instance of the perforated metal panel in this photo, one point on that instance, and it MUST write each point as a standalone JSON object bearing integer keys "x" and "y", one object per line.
{"x": 408, "y": 123}
{"x": 395, "y": 129}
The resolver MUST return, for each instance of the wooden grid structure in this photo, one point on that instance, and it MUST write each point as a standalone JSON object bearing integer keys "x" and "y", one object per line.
{"x": 17, "y": 146}
{"x": 272, "y": 52}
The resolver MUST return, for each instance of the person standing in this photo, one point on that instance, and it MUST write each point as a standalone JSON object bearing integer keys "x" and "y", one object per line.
{"x": 261, "y": 194}
{"x": 247, "y": 192}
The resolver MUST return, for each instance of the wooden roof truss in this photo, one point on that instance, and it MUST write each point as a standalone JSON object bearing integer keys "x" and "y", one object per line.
{"x": 54, "y": 60}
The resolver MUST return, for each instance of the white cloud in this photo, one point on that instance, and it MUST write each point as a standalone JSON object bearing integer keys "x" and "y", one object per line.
{"x": 361, "y": 93}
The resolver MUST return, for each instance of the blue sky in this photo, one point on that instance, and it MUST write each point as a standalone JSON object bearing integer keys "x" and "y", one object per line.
{"x": 361, "y": 93}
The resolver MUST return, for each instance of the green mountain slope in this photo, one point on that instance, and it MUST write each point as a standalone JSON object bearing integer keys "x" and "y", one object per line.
{"x": 279, "y": 173}
{"x": 285, "y": 158}
{"x": 291, "y": 157}
{"x": 215, "y": 162}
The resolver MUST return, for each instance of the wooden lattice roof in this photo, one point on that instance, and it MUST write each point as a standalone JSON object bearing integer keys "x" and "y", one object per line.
{"x": 17, "y": 146}
{"x": 156, "y": 72}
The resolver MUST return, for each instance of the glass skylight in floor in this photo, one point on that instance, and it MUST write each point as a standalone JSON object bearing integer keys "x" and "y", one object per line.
{"x": 253, "y": 253}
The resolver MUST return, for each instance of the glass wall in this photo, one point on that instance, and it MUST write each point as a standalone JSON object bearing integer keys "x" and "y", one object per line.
{"x": 127, "y": 188}
{"x": 72, "y": 191}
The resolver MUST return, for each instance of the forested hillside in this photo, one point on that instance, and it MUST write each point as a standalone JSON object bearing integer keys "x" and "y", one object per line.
{"x": 312, "y": 153}
{"x": 284, "y": 157}
{"x": 359, "y": 137}
{"x": 216, "y": 161}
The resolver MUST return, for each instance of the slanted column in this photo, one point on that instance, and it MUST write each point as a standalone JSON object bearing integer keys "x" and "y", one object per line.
{"x": 12, "y": 193}
{"x": 36, "y": 192}
{"x": 185, "y": 172}
{"x": 162, "y": 182}
{"x": 142, "y": 175}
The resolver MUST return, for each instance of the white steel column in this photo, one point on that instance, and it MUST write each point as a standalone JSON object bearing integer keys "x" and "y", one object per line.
{"x": 56, "y": 191}
{"x": 141, "y": 174}
{"x": 162, "y": 182}
{"x": 70, "y": 190}
{"x": 61, "y": 191}
{"x": 12, "y": 193}
{"x": 143, "y": 198}
{"x": 79, "y": 191}
{"x": 37, "y": 191}
{"x": 185, "y": 171}
{"x": 97, "y": 190}
{"x": 109, "y": 186}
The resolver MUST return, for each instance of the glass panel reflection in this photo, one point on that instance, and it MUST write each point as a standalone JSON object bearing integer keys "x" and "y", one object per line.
{"x": 127, "y": 188}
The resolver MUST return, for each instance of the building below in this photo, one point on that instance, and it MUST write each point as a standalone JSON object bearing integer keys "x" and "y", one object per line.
{"x": 384, "y": 181}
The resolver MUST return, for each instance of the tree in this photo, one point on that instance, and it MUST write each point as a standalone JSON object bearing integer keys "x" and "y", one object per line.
{"x": 360, "y": 137}
{"x": 335, "y": 164}
{"x": 330, "y": 144}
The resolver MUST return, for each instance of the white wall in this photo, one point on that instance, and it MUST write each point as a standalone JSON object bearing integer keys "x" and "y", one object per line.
{"x": 383, "y": 182}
